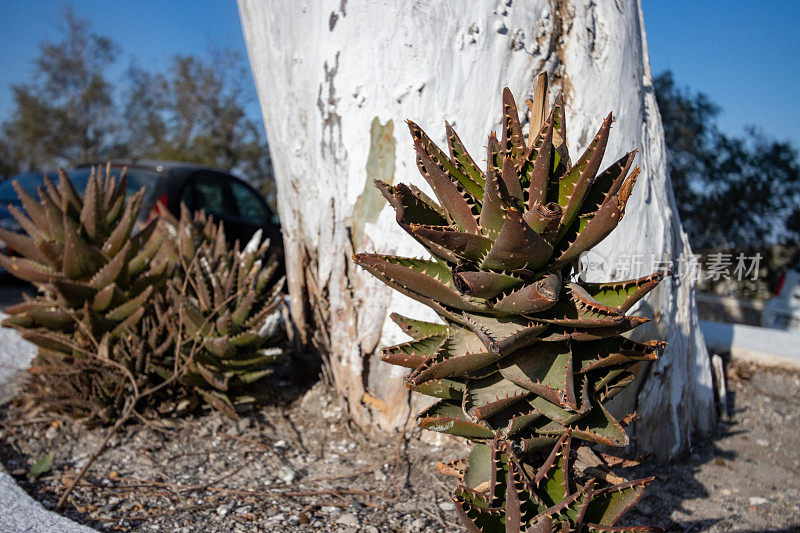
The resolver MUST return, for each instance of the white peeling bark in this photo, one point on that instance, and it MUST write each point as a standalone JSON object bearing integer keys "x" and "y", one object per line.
{"x": 332, "y": 74}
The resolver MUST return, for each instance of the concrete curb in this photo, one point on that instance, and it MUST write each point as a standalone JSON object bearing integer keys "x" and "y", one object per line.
{"x": 19, "y": 513}
{"x": 15, "y": 357}
{"x": 765, "y": 346}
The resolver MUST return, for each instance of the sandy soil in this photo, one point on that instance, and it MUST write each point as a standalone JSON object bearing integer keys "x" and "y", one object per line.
{"x": 298, "y": 465}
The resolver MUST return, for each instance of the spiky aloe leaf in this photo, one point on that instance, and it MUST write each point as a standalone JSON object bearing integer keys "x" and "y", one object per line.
{"x": 464, "y": 161}
{"x": 624, "y": 294}
{"x": 413, "y": 353}
{"x": 447, "y": 417}
{"x": 517, "y": 246}
{"x": 418, "y": 328}
{"x": 487, "y": 396}
{"x": 539, "y": 296}
{"x": 426, "y": 281}
{"x": 458, "y": 355}
{"x": 485, "y": 284}
{"x": 432, "y": 153}
{"x": 495, "y": 203}
{"x": 574, "y": 186}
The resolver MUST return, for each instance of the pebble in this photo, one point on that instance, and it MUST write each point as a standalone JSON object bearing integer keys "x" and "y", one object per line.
{"x": 447, "y": 506}
{"x": 756, "y": 500}
{"x": 348, "y": 519}
{"x": 280, "y": 444}
{"x": 287, "y": 475}
{"x": 371, "y": 529}
{"x": 243, "y": 424}
{"x": 418, "y": 524}
{"x": 222, "y": 510}
{"x": 762, "y": 442}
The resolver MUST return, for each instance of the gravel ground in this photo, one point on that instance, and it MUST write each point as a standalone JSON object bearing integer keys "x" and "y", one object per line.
{"x": 746, "y": 479}
{"x": 298, "y": 465}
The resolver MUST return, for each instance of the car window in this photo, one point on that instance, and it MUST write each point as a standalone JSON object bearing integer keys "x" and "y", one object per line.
{"x": 250, "y": 205}
{"x": 209, "y": 192}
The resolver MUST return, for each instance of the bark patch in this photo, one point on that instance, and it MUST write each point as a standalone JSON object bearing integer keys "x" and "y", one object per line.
{"x": 380, "y": 166}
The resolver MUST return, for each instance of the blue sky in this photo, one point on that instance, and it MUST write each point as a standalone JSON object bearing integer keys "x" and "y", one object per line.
{"x": 744, "y": 54}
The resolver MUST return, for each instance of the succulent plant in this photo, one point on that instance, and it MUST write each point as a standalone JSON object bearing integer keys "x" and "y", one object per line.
{"x": 120, "y": 310}
{"x": 222, "y": 310}
{"x": 527, "y": 356}
{"x": 96, "y": 276}
{"x": 94, "y": 272}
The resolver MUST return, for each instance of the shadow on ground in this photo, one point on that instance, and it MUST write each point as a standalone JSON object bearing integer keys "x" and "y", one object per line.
{"x": 745, "y": 478}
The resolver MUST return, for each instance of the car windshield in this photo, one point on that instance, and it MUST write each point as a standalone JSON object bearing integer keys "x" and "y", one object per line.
{"x": 30, "y": 181}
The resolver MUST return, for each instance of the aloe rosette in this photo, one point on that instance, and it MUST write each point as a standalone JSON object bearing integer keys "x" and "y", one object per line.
{"x": 223, "y": 310}
{"x": 527, "y": 356}
{"x": 96, "y": 276}
{"x": 95, "y": 272}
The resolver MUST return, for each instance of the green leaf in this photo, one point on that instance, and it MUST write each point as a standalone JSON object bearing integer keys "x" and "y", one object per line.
{"x": 447, "y": 417}
{"x": 607, "y": 507}
{"x": 41, "y": 466}
{"x": 80, "y": 258}
{"x": 460, "y": 156}
{"x": 480, "y": 466}
{"x": 26, "y": 269}
{"x": 411, "y": 206}
{"x": 544, "y": 368}
{"x": 517, "y": 246}
{"x": 624, "y": 294}
{"x": 425, "y": 281}
{"x": 486, "y": 396}
{"x": 128, "y": 308}
{"x": 513, "y": 142}
{"x": 574, "y": 186}
{"x": 501, "y": 336}
{"x": 444, "y": 163}
{"x": 411, "y": 354}
{"x": 446, "y": 389}
{"x": 418, "y": 328}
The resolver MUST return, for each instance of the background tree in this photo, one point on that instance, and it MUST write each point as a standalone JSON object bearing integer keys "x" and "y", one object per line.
{"x": 195, "y": 110}
{"x": 66, "y": 112}
{"x": 731, "y": 191}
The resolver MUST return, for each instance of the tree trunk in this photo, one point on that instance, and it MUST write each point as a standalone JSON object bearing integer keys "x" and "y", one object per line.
{"x": 336, "y": 80}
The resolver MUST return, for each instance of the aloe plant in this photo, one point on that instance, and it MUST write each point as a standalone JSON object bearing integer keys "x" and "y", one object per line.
{"x": 96, "y": 276}
{"x": 121, "y": 310}
{"x": 526, "y": 357}
{"x": 94, "y": 272}
{"x": 220, "y": 317}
